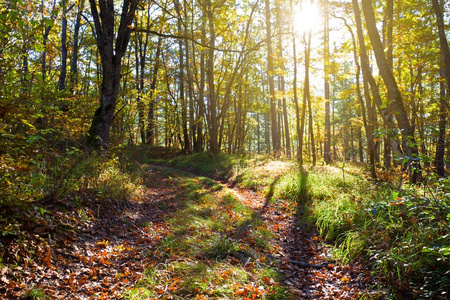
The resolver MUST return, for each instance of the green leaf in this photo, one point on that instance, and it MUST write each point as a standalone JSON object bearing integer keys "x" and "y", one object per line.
{"x": 39, "y": 48}
{"x": 49, "y": 22}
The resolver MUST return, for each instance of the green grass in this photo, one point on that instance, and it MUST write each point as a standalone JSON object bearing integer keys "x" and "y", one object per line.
{"x": 402, "y": 233}
{"x": 213, "y": 249}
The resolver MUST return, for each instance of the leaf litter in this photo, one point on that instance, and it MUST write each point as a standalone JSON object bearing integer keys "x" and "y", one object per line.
{"x": 98, "y": 248}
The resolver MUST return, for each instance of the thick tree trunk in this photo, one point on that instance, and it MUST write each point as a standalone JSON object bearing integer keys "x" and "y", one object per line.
{"x": 111, "y": 53}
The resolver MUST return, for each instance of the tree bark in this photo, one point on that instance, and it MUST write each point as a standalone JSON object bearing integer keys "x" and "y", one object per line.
{"x": 151, "y": 123}
{"x": 76, "y": 33}
{"x": 276, "y": 141}
{"x": 326, "y": 63}
{"x": 445, "y": 73}
{"x": 213, "y": 122}
{"x": 284, "y": 105}
{"x": 392, "y": 87}
{"x": 305, "y": 97}
{"x": 63, "y": 71}
{"x": 367, "y": 115}
{"x": 111, "y": 53}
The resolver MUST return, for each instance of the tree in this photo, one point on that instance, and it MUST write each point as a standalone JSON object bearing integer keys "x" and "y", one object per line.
{"x": 394, "y": 91}
{"x": 276, "y": 141}
{"x": 112, "y": 48}
{"x": 445, "y": 54}
{"x": 326, "y": 56}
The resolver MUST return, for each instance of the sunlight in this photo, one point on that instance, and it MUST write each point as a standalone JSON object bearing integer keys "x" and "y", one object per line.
{"x": 307, "y": 17}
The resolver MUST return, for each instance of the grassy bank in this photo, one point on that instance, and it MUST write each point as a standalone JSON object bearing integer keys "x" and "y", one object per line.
{"x": 402, "y": 232}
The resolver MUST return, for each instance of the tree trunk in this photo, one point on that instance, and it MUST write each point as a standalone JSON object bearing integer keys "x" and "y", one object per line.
{"x": 213, "y": 122}
{"x": 326, "y": 33}
{"x": 445, "y": 73}
{"x": 270, "y": 70}
{"x": 76, "y": 33}
{"x": 151, "y": 123}
{"x": 63, "y": 71}
{"x": 201, "y": 96}
{"x": 368, "y": 115}
{"x": 297, "y": 109}
{"x": 111, "y": 54}
{"x": 392, "y": 87}
{"x": 305, "y": 97}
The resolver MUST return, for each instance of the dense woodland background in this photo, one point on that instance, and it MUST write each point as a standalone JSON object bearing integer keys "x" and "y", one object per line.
{"x": 363, "y": 84}
{"x": 323, "y": 82}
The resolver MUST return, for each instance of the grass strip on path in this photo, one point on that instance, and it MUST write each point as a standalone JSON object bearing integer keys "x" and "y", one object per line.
{"x": 216, "y": 247}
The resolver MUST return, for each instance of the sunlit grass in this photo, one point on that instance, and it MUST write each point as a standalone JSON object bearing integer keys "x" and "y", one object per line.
{"x": 402, "y": 233}
{"x": 213, "y": 250}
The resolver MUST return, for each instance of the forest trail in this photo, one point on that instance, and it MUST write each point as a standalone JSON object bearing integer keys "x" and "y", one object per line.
{"x": 185, "y": 237}
{"x": 303, "y": 257}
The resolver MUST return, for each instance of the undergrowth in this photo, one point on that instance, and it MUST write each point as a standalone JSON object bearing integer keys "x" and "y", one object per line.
{"x": 403, "y": 233}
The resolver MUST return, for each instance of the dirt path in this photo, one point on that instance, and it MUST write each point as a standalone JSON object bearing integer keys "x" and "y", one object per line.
{"x": 94, "y": 249}
{"x": 308, "y": 272}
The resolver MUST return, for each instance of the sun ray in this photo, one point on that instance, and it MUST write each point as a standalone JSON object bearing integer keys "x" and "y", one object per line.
{"x": 307, "y": 17}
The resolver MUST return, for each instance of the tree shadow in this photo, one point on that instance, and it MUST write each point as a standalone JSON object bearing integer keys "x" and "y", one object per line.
{"x": 271, "y": 190}
{"x": 303, "y": 195}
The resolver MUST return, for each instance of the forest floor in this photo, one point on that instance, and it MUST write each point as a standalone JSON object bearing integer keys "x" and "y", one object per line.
{"x": 184, "y": 237}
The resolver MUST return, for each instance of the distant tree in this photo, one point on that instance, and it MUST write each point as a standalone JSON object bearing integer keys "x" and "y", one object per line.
{"x": 270, "y": 70}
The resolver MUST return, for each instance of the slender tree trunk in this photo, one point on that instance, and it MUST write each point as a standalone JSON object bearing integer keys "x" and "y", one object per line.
{"x": 63, "y": 71}
{"x": 305, "y": 97}
{"x": 445, "y": 73}
{"x": 391, "y": 84}
{"x": 151, "y": 123}
{"x": 388, "y": 44}
{"x": 181, "y": 78}
{"x": 297, "y": 109}
{"x": 284, "y": 106}
{"x": 201, "y": 100}
{"x": 258, "y": 132}
{"x": 327, "y": 142}
{"x": 213, "y": 124}
{"x": 367, "y": 120}
{"x": 140, "y": 105}
{"x": 270, "y": 70}
{"x": 76, "y": 33}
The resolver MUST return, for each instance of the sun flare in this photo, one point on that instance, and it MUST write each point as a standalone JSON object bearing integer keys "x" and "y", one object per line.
{"x": 307, "y": 17}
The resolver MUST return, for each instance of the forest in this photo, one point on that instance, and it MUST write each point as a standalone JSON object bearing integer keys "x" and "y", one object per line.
{"x": 224, "y": 149}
